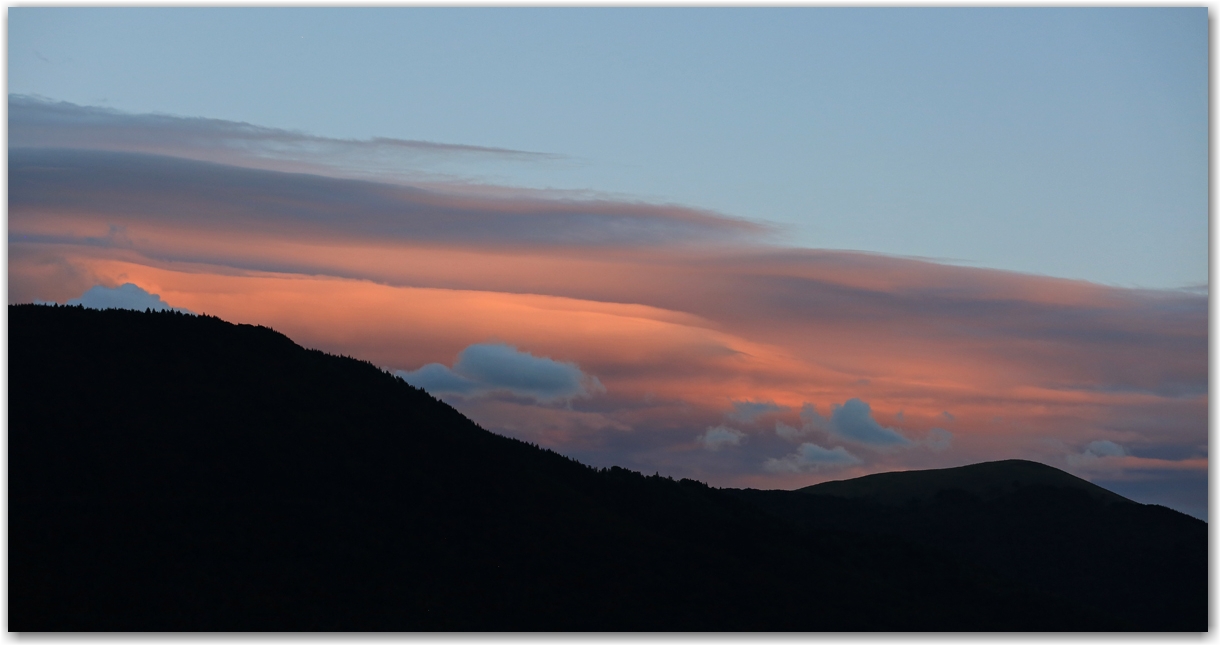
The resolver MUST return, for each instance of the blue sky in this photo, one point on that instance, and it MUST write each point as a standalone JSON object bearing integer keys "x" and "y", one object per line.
{"x": 1062, "y": 142}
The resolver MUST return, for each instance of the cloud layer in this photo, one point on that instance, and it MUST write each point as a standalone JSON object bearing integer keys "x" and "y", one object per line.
{"x": 715, "y": 355}
{"x": 140, "y": 190}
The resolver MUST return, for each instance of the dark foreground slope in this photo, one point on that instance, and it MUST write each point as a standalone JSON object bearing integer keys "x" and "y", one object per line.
{"x": 1031, "y": 524}
{"x": 176, "y": 472}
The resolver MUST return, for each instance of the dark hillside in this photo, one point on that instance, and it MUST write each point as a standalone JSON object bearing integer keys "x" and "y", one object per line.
{"x": 177, "y": 472}
{"x": 985, "y": 481}
{"x": 1029, "y": 523}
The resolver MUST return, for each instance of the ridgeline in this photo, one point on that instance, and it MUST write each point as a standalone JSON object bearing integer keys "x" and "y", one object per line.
{"x": 173, "y": 472}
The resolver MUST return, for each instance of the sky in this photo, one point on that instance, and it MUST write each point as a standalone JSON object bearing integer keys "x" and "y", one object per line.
{"x": 756, "y": 247}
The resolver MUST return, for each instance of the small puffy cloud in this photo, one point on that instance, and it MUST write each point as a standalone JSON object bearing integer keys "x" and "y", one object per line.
{"x": 721, "y": 436}
{"x": 1095, "y": 454}
{"x": 854, "y": 421}
{"x": 748, "y": 411}
{"x": 126, "y": 296}
{"x": 1104, "y": 448}
{"x": 495, "y": 367}
{"x": 811, "y": 457}
{"x": 523, "y": 373}
{"x": 948, "y": 416}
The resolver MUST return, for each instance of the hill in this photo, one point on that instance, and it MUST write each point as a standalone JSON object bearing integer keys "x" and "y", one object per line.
{"x": 986, "y": 481}
{"x": 176, "y": 472}
{"x": 1031, "y": 524}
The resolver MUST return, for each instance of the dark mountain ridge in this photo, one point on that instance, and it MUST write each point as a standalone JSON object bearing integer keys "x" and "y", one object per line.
{"x": 1028, "y": 523}
{"x": 177, "y": 472}
{"x": 985, "y": 481}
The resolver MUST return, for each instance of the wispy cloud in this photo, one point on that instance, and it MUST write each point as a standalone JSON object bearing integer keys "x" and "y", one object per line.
{"x": 134, "y": 189}
{"x": 37, "y": 122}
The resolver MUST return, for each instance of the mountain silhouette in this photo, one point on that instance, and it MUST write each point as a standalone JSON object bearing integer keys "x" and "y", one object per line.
{"x": 1031, "y": 524}
{"x": 985, "y": 481}
{"x": 176, "y": 472}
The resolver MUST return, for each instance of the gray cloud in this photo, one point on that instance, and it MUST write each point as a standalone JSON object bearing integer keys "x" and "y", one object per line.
{"x": 493, "y": 367}
{"x": 854, "y": 421}
{"x": 125, "y": 296}
{"x": 1104, "y": 448}
{"x": 788, "y": 432}
{"x": 43, "y": 123}
{"x": 1096, "y": 454}
{"x": 812, "y": 418}
{"x": 809, "y": 457}
{"x": 748, "y": 411}
{"x": 720, "y": 436}
{"x": 133, "y": 188}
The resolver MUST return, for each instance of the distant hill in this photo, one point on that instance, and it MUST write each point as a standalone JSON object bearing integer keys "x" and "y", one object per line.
{"x": 1028, "y": 523}
{"x": 177, "y": 472}
{"x": 989, "y": 481}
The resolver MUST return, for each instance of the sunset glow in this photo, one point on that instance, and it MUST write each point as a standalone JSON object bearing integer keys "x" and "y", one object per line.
{"x": 699, "y": 344}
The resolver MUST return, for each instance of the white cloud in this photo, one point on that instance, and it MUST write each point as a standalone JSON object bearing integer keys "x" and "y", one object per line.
{"x": 125, "y": 296}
